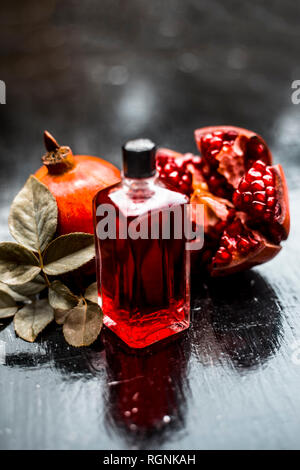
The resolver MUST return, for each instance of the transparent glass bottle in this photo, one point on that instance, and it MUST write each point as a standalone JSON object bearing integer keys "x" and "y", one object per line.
{"x": 143, "y": 266}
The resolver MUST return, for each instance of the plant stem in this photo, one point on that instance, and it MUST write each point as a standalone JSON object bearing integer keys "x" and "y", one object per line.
{"x": 42, "y": 268}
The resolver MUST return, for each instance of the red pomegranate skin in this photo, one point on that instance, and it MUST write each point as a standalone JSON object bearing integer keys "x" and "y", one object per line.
{"x": 75, "y": 188}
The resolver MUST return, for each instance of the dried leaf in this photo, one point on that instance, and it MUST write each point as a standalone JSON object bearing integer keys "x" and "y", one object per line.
{"x": 62, "y": 300}
{"x": 91, "y": 293}
{"x": 8, "y": 306}
{"x": 68, "y": 252}
{"x": 33, "y": 215}
{"x": 83, "y": 324}
{"x": 30, "y": 288}
{"x": 17, "y": 264}
{"x": 15, "y": 295}
{"x": 32, "y": 319}
{"x": 60, "y": 316}
{"x": 61, "y": 297}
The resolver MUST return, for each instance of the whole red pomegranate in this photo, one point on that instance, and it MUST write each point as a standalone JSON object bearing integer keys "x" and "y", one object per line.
{"x": 74, "y": 180}
{"x": 245, "y": 197}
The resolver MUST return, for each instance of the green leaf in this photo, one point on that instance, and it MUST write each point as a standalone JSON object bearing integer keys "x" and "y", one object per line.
{"x": 83, "y": 324}
{"x": 8, "y": 306}
{"x": 30, "y": 288}
{"x": 33, "y": 215}
{"x": 91, "y": 293}
{"x": 17, "y": 264}
{"x": 68, "y": 252}
{"x": 32, "y": 319}
{"x": 62, "y": 300}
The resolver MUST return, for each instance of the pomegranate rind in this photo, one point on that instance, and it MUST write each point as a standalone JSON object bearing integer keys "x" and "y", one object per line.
{"x": 283, "y": 197}
{"x": 265, "y": 252}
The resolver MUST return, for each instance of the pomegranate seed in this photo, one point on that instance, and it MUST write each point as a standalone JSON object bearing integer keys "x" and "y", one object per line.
{"x": 257, "y": 185}
{"x": 235, "y": 228}
{"x": 214, "y": 153}
{"x": 253, "y": 175}
{"x": 268, "y": 180}
{"x": 205, "y": 141}
{"x": 270, "y": 191}
{"x": 230, "y": 135}
{"x": 269, "y": 171}
{"x": 226, "y": 242}
{"x": 206, "y": 138}
{"x": 243, "y": 245}
{"x": 216, "y": 143}
{"x": 268, "y": 215}
{"x": 247, "y": 197}
{"x": 259, "y": 196}
{"x": 174, "y": 174}
{"x": 256, "y": 149}
{"x": 236, "y": 198}
{"x": 168, "y": 168}
{"x": 226, "y": 147}
{"x": 223, "y": 256}
{"x": 243, "y": 186}
{"x": 187, "y": 177}
{"x": 219, "y": 134}
{"x": 260, "y": 166}
{"x": 197, "y": 161}
{"x": 258, "y": 206}
{"x": 260, "y": 149}
{"x": 271, "y": 201}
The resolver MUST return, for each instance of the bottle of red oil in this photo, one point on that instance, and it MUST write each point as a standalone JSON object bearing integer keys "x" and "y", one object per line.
{"x": 143, "y": 264}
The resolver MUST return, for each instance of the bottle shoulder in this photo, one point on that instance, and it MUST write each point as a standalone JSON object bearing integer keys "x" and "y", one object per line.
{"x": 138, "y": 200}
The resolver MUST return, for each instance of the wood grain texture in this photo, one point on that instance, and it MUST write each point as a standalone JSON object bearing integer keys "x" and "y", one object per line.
{"x": 233, "y": 380}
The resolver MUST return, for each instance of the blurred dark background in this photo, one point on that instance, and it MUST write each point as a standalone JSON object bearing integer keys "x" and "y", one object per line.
{"x": 98, "y": 73}
{"x": 94, "y": 74}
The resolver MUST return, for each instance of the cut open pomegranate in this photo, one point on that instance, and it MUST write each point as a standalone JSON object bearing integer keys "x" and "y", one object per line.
{"x": 245, "y": 198}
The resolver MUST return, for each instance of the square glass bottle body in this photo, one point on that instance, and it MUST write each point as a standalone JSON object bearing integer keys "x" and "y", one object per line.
{"x": 143, "y": 279}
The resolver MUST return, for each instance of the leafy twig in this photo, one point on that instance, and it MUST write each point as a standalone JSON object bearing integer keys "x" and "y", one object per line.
{"x": 25, "y": 268}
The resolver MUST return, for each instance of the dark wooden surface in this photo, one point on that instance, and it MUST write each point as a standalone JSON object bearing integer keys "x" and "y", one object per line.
{"x": 95, "y": 76}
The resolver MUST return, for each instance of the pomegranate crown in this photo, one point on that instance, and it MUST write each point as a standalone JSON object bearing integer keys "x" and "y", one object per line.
{"x": 58, "y": 159}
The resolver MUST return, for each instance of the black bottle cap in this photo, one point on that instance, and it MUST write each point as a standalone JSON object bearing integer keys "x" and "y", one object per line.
{"x": 139, "y": 158}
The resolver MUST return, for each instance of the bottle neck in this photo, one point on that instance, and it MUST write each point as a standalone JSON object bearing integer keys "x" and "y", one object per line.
{"x": 139, "y": 187}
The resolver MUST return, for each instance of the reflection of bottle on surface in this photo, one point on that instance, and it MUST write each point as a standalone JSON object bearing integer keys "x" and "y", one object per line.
{"x": 146, "y": 393}
{"x": 242, "y": 318}
{"x": 142, "y": 262}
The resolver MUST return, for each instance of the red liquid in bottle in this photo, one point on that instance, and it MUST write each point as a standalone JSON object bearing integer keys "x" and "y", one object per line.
{"x": 143, "y": 283}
